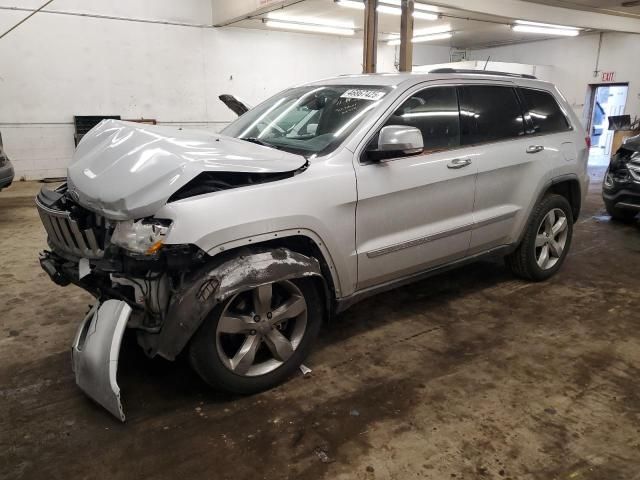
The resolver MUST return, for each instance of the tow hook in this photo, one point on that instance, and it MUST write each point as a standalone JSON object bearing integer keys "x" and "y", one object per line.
{"x": 49, "y": 266}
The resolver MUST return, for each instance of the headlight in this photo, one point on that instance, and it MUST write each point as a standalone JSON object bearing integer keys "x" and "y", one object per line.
{"x": 608, "y": 180}
{"x": 143, "y": 236}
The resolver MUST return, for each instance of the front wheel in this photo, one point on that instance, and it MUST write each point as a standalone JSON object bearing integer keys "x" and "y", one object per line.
{"x": 257, "y": 338}
{"x": 546, "y": 240}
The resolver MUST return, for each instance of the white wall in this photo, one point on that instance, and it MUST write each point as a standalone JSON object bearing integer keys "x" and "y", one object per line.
{"x": 57, "y": 66}
{"x": 574, "y": 61}
{"x": 425, "y": 54}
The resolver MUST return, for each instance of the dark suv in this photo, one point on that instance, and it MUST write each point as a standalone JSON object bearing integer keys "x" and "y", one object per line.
{"x": 621, "y": 186}
{"x": 6, "y": 169}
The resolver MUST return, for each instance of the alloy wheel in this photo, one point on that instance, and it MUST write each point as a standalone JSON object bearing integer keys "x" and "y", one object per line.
{"x": 260, "y": 329}
{"x": 551, "y": 238}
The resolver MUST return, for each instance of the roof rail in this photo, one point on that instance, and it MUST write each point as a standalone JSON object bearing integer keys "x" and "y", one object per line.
{"x": 482, "y": 72}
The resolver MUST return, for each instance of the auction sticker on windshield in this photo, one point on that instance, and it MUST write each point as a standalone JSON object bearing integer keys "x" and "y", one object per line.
{"x": 363, "y": 94}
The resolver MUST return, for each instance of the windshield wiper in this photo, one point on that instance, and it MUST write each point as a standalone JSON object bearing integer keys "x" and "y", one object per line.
{"x": 260, "y": 142}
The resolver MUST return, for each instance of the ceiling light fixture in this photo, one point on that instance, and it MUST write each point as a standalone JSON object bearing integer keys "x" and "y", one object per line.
{"x": 566, "y": 32}
{"x": 425, "y": 15}
{"x": 546, "y": 25}
{"x": 425, "y": 31}
{"x": 391, "y": 7}
{"x": 308, "y": 24}
{"x": 398, "y": 11}
{"x": 526, "y": 26}
{"x": 423, "y": 38}
{"x": 324, "y": 22}
{"x": 429, "y": 38}
{"x": 351, "y": 4}
{"x": 305, "y": 27}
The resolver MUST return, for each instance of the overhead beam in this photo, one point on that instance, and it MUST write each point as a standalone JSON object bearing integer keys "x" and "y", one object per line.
{"x": 370, "y": 37}
{"x": 406, "y": 34}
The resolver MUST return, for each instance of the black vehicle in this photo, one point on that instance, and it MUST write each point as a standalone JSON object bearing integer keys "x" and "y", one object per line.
{"x": 621, "y": 186}
{"x": 6, "y": 169}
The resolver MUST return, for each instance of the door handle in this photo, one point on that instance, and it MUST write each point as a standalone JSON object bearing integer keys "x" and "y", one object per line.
{"x": 459, "y": 163}
{"x": 534, "y": 148}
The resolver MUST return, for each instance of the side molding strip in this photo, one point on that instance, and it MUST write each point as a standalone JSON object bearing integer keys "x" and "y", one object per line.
{"x": 437, "y": 236}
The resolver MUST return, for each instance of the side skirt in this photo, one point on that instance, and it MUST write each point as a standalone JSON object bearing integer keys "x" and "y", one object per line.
{"x": 346, "y": 302}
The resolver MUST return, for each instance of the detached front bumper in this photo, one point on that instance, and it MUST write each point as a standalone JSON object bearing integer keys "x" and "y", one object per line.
{"x": 95, "y": 353}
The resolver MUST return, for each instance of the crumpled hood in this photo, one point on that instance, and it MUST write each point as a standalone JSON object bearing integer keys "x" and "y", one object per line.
{"x": 128, "y": 170}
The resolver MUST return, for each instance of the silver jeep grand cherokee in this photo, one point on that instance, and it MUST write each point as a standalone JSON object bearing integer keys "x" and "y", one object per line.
{"x": 236, "y": 246}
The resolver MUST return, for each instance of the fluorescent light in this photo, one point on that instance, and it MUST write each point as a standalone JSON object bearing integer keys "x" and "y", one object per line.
{"x": 305, "y": 27}
{"x": 423, "y": 38}
{"x": 324, "y": 22}
{"x": 392, "y": 7}
{"x": 547, "y": 25}
{"x": 423, "y": 7}
{"x": 428, "y": 38}
{"x": 389, "y": 10}
{"x": 425, "y": 31}
{"x": 398, "y": 11}
{"x": 351, "y": 4}
{"x": 425, "y": 15}
{"x": 545, "y": 31}
{"x": 309, "y": 24}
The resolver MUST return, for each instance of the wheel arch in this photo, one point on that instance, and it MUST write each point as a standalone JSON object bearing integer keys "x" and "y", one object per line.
{"x": 299, "y": 240}
{"x": 569, "y": 187}
{"x": 223, "y": 276}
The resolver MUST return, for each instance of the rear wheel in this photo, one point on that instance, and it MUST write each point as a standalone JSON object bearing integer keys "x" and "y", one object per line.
{"x": 258, "y": 337}
{"x": 546, "y": 241}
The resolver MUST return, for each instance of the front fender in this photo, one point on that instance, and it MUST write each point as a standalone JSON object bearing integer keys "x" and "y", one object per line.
{"x": 213, "y": 284}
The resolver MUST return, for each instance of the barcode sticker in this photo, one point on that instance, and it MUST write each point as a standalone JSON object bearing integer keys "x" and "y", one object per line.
{"x": 363, "y": 94}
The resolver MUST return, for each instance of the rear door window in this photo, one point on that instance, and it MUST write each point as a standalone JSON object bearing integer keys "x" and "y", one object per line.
{"x": 489, "y": 113}
{"x": 434, "y": 111}
{"x": 546, "y": 115}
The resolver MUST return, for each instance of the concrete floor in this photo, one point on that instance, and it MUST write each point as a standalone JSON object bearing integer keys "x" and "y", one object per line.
{"x": 468, "y": 375}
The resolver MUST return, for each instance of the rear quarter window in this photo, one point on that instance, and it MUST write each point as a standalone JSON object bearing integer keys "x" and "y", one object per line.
{"x": 544, "y": 111}
{"x": 489, "y": 113}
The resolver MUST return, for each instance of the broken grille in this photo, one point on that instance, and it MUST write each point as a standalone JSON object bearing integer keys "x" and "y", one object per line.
{"x": 66, "y": 233}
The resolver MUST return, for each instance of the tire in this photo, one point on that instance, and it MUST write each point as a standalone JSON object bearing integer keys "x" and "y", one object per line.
{"x": 528, "y": 260}
{"x": 619, "y": 214}
{"x": 212, "y": 350}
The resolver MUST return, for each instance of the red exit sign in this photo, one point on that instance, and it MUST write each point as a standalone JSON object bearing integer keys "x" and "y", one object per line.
{"x": 608, "y": 76}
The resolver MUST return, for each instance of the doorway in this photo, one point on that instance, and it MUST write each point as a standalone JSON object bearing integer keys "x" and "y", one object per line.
{"x": 606, "y": 100}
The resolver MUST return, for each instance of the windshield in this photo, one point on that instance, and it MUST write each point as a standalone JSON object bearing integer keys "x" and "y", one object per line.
{"x": 307, "y": 120}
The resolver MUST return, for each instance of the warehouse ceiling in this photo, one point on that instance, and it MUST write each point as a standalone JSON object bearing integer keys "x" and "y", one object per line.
{"x": 470, "y": 27}
{"x": 469, "y": 30}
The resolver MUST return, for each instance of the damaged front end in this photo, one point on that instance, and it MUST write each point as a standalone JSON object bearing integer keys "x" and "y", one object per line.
{"x": 131, "y": 280}
{"x": 163, "y": 292}
{"x": 621, "y": 185}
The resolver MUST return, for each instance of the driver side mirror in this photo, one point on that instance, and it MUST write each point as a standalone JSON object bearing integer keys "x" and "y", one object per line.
{"x": 397, "y": 141}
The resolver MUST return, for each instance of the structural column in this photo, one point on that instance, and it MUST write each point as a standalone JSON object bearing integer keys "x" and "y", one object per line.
{"x": 406, "y": 34}
{"x": 370, "y": 50}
